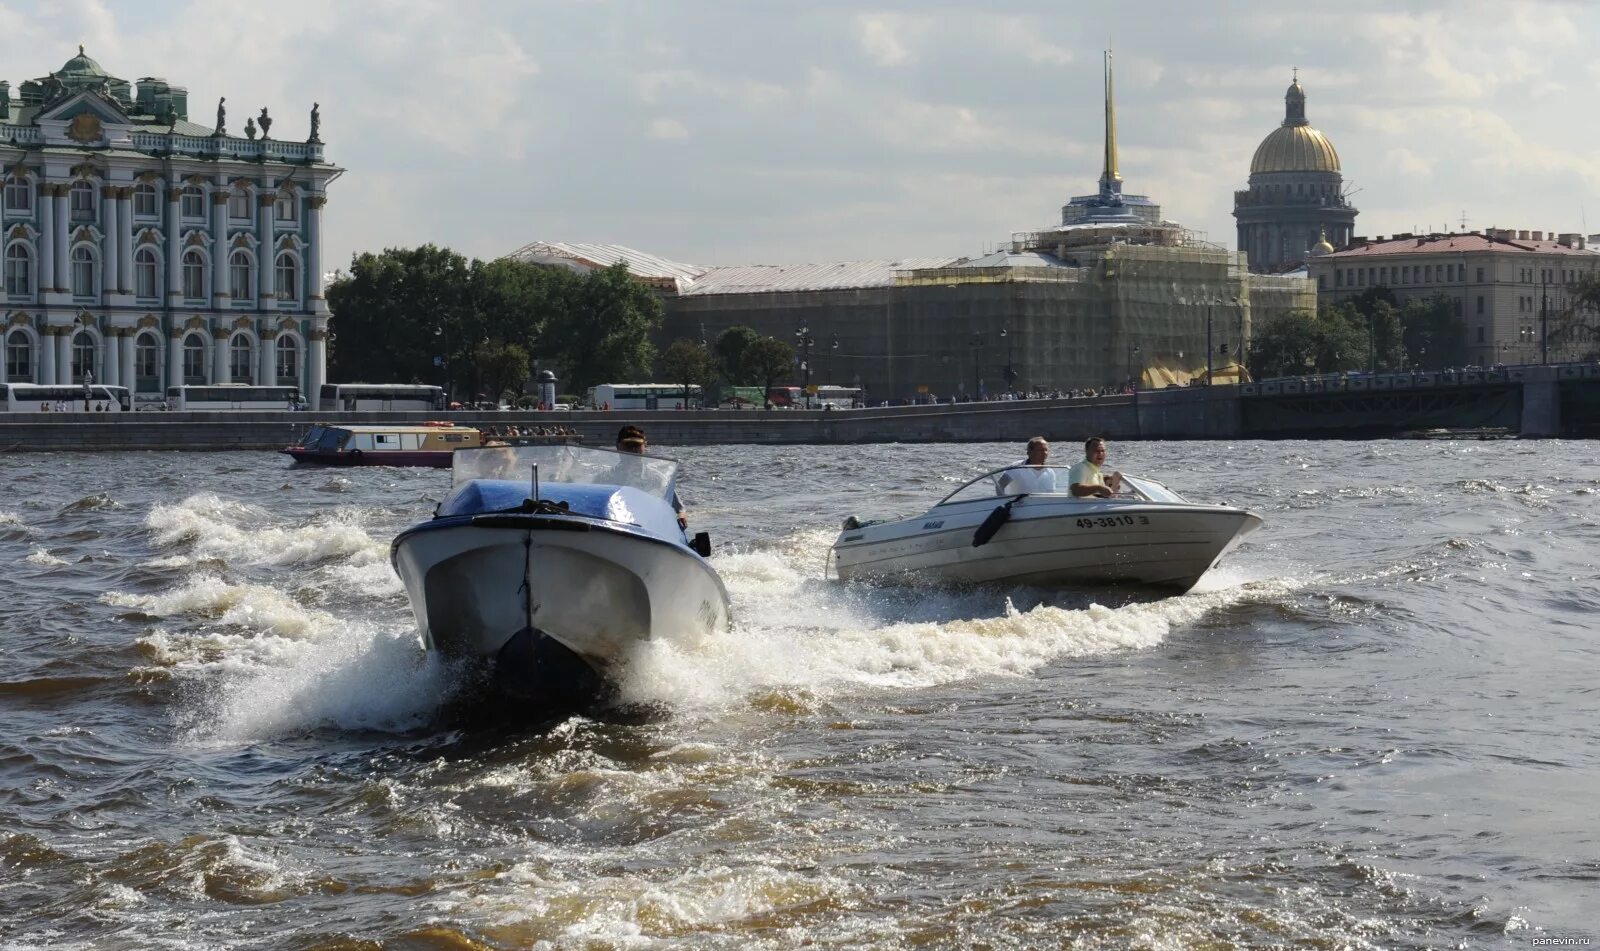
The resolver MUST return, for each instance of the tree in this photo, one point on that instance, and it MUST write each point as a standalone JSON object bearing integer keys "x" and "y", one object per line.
{"x": 768, "y": 360}
{"x": 1434, "y": 334}
{"x": 730, "y": 347}
{"x": 394, "y": 313}
{"x": 503, "y": 367}
{"x": 1575, "y": 329}
{"x": 689, "y": 363}
{"x": 601, "y": 333}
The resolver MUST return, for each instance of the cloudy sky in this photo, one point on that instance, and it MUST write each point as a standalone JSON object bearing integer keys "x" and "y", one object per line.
{"x": 742, "y": 131}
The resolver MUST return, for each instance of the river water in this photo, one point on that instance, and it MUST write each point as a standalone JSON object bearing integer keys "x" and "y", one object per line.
{"x": 1373, "y": 727}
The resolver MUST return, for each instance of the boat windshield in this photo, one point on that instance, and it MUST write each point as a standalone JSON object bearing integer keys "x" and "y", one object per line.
{"x": 576, "y": 465}
{"x": 1019, "y": 480}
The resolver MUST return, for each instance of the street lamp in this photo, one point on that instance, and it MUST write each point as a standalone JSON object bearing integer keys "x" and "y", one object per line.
{"x": 977, "y": 364}
{"x": 1011, "y": 373}
{"x": 443, "y": 361}
{"x": 1133, "y": 350}
{"x": 804, "y": 339}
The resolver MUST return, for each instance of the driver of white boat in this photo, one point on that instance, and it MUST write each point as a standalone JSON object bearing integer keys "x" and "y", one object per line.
{"x": 1085, "y": 478}
{"x": 631, "y": 439}
{"x": 1029, "y": 476}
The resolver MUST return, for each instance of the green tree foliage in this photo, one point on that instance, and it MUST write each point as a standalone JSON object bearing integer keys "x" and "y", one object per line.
{"x": 1435, "y": 335}
{"x": 768, "y": 360}
{"x": 1575, "y": 329}
{"x": 602, "y": 333}
{"x": 389, "y": 311}
{"x": 688, "y": 363}
{"x": 1299, "y": 343}
{"x": 1374, "y": 316}
{"x": 730, "y": 347}
{"x": 503, "y": 368}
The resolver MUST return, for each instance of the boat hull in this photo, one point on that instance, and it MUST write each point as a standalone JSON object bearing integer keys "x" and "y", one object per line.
{"x": 597, "y": 589}
{"x": 423, "y": 458}
{"x": 1049, "y": 541}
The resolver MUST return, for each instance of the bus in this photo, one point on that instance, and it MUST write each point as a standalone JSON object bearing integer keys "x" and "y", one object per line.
{"x": 786, "y": 397}
{"x": 838, "y": 397}
{"x": 642, "y": 396}
{"x": 346, "y": 397}
{"x": 45, "y": 398}
{"x": 229, "y": 396}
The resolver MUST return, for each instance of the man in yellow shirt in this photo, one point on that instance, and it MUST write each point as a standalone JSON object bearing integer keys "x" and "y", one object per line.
{"x": 1085, "y": 478}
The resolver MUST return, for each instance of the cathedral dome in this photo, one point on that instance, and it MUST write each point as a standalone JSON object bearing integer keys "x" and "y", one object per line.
{"x": 81, "y": 66}
{"x": 1295, "y": 146}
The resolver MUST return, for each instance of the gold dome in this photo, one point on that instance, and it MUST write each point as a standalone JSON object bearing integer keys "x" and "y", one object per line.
{"x": 1295, "y": 148}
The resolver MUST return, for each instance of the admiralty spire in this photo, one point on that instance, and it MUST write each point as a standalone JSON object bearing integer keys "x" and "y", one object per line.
{"x": 1110, "y": 205}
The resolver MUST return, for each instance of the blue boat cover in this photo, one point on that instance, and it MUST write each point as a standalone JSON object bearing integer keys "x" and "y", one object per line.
{"x": 620, "y": 504}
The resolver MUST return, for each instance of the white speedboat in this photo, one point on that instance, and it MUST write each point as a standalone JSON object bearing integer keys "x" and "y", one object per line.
{"x": 1148, "y": 535}
{"x": 551, "y": 562}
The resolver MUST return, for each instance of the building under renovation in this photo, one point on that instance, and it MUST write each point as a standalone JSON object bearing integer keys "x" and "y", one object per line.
{"x": 1113, "y": 293}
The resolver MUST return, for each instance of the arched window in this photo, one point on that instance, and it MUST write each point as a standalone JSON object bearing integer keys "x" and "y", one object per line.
{"x": 19, "y": 195}
{"x": 239, "y": 203}
{"x": 147, "y": 363}
{"x": 288, "y": 359}
{"x": 194, "y": 359}
{"x": 82, "y": 355}
{"x": 84, "y": 277}
{"x": 288, "y": 207}
{"x": 287, "y": 285}
{"x": 146, "y": 200}
{"x": 240, "y": 366}
{"x": 194, "y": 275}
{"x": 19, "y": 357}
{"x": 83, "y": 204}
{"x": 239, "y": 271}
{"x": 192, "y": 203}
{"x": 19, "y": 270}
{"x": 146, "y": 273}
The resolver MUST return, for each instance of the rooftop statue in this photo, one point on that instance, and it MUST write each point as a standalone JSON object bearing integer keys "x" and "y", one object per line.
{"x": 316, "y": 122}
{"x": 222, "y": 117}
{"x": 266, "y": 122}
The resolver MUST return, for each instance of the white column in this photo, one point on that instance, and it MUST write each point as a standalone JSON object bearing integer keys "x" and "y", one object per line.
{"x": 47, "y": 356}
{"x": 110, "y": 252}
{"x": 64, "y": 355}
{"x": 63, "y": 230}
{"x": 125, "y": 372}
{"x": 174, "y": 250}
{"x": 313, "y": 255}
{"x": 266, "y": 209}
{"x": 316, "y": 366}
{"x": 111, "y": 360}
{"x": 267, "y": 360}
{"x": 47, "y": 239}
{"x": 125, "y": 241}
{"x": 174, "y": 360}
{"x": 219, "y": 249}
{"x": 219, "y": 356}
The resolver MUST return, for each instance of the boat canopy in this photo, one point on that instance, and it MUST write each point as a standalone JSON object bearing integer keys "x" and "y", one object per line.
{"x": 575, "y": 465}
{"x": 987, "y": 486}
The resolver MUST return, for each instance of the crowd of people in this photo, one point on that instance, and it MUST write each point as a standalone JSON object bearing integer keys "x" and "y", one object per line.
{"x": 515, "y": 432}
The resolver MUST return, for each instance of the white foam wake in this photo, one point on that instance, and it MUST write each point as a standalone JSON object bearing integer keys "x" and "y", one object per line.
{"x": 224, "y": 528}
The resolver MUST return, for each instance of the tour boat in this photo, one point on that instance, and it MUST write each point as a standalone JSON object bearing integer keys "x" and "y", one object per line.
{"x": 551, "y": 563}
{"x": 421, "y": 444}
{"x": 1148, "y": 535}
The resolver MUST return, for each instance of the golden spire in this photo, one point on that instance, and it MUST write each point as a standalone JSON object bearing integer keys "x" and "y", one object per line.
{"x": 1110, "y": 173}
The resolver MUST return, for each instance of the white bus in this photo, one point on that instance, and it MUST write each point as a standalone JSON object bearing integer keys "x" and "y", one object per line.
{"x": 348, "y": 397}
{"x": 643, "y": 396}
{"x": 226, "y": 396}
{"x": 839, "y": 397}
{"x": 64, "y": 397}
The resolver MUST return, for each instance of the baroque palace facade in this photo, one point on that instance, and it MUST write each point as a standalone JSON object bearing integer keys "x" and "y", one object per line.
{"x": 144, "y": 250}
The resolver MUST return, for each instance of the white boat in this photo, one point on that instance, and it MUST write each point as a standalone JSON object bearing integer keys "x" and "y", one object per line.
{"x": 552, "y": 562}
{"x": 1148, "y": 535}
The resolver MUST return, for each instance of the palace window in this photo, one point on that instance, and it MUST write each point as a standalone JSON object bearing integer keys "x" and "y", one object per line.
{"x": 83, "y": 205}
{"x": 194, "y": 359}
{"x": 146, "y": 201}
{"x": 19, "y": 195}
{"x": 239, "y": 362}
{"x": 146, "y": 273}
{"x": 239, "y": 203}
{"x": 84, "y": 276}
{"x": 239, "y": 275}
{"x": 287, "y": 273}
{"x": 147, "y": 360}
{"x": 1480, "y": 303}
{"x": 288, "y": 359}
{"x": 1480, "y": 275}
{"x": 288, "y": 208}
{"x": 192, "y": 203}
{"x": 194, "y": 275}
{"x": 19, "y": 357}
{"x": 19, "y": 270}
{"x": 82, "y": 355}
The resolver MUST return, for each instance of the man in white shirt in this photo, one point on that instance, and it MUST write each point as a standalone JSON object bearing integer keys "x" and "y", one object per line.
{"x": 1028, "y": 476}
{"x": 1085, "y": 479}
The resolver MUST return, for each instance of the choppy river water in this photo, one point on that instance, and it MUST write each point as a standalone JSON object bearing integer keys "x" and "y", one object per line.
{"x": 1375, "y": 727}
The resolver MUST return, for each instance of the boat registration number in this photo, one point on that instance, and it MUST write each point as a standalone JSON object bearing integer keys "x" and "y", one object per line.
{"x": 1113, "y": 521}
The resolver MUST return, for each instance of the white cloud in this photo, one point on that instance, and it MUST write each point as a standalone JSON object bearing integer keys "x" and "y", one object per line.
{"x": 881, "y": 36}
{"x": 668, "y": 130}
